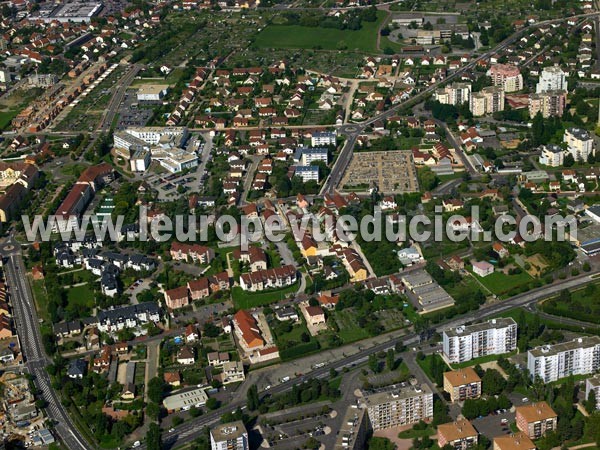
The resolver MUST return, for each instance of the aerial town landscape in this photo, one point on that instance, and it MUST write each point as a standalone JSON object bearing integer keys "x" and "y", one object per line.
{"x": 472, "y": 124}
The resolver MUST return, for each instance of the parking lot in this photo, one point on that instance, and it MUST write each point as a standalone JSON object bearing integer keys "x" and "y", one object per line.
{"x": 130, "y": 112}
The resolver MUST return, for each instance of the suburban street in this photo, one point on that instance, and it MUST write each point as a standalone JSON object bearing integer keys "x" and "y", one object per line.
{"x": 27, "y": 326}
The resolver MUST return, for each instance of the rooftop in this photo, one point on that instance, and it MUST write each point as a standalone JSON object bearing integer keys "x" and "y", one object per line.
{"x": 462, "y": 376}
{"x": 502, "y": 322}
{"x": 550, "y": 350}
{"x": 536, "y": 412}
{"x": 228, "y": 431}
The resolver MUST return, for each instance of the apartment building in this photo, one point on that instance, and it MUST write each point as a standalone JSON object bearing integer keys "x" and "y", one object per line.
{"x": 454, "y": 94}
{"x": 323, "y": 138}
{"x": 552, "y": 79}
{"x": 548, "y": 103}
{"x": 462, "y": 384}
{"x": 493, "y": 337}
{"x": 515, "y": 441}
{"x": 307, "y": 155}
{"x": 552, "y": 155}
{"x": 506, "y": 76}
{"x": 487, "y": 101}
{"x": 461, "y": 435}
{"x": 536, "y": 419}
{"x": 580, "y": 356}
{"x": 354, "y": 429}
{"x": 307, "y": 173}
{"x": 405, "y": 406}
{"x": 579, "y": 143}
{"x": 229, "y": 436}
{"x": 593, "y": 384}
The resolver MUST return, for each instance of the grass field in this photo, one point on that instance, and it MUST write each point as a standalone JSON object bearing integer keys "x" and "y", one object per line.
{"x": 6, "y": 117}
{"x": 584, "y": 304}
{"x": 499, "y": 283}
{"x": 426, "y": 365}
{"x": 81, "y": 294}
{"x": 482, "y": 360}
{"x": 349, "y": 329}
{"x": 297, "y": 36}
{"x": 244, "y": 300}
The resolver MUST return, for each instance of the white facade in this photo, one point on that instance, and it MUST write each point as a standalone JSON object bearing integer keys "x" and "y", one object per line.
{"x": 495, "y": 337}
{"x": 229, "y": 436}
{"x": 593, "y": 384}
{"x": 323, "y": 138}
{"x": 402, "y": 407}
{"x": 454, "y": 94}
{"x": 580, "y": 356}
{"x": 552, "y": 79}
{"x": 579, "y": 143}
{"x": 307, "y": 173}
{"x": 552, "y": 155}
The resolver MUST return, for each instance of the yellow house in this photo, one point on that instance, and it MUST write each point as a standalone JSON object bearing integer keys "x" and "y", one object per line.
{"x": 308, "y": 247}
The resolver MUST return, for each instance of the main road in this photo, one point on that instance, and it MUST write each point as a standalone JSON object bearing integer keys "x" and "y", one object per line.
{"x": 192, "y": 429}
{"x": 32, "y": 349}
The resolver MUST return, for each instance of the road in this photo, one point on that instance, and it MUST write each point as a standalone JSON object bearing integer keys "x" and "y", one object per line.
{"x": 117, "y": 98}
{"x": 192, "y": 429}
{"x": 36, "y": 360}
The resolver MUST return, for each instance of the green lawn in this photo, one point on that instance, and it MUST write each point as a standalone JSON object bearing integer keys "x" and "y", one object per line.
{"x": 426, "y": 365}
{"x": 39, "y": 294}
{"x": 6, "y": 117}
{"x": 349, "y": 329}
{"x": 499, "y": 283}
{"x": 297, "y": 36}
{"x": 583, "y": 304}
{"x": 482, "y": 360}
{"x": 244, "y": 300}
{"x": 81, "y": 294}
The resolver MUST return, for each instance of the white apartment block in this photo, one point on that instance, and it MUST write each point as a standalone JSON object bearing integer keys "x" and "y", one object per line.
{"x": 454, "y": 94}
{"x": 229, "y": 436}
{"x": 323, "y": 138}
{"x": 307, "y": 173}
{"x": 488, "y": 101}
{"x": 552, "y": 155}
{"x": 552, "y": 79}
{"x": 494, "y": 337}
{"x": 580, "y": 356}
{"x": 579, "y": 143}
{"x": 402, "y": 407}
{"x": 593, "y": 384}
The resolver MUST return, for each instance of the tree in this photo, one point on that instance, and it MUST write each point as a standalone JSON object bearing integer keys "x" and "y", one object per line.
{"x": 212, "y": 403}
{"x": 470, "y": 409}
{"x": 569, "y": 160}
{"x": 493, "y": 383}
{"x": 390, "y": 360}
{"x": 380, "y": 443}
{"x": 156, "y": 389}
{"x": 590, "y": 403}
{"x": 253, "y": 402}
{"x": 374, "y": 364}
{"x": 153, "y": 438}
